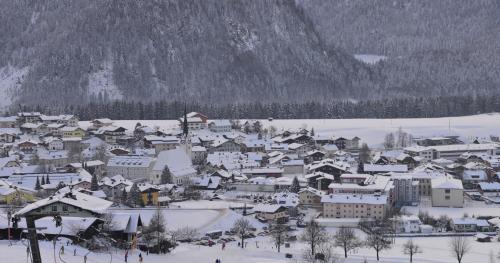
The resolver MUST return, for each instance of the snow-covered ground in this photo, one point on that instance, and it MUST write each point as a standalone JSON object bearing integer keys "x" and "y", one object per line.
{"x": 369, "y": 58}
{"x": 11, "y": 79}
{"x": 202, "y": 215}
{"x": 371, "y": 131}
{"x": 471, "y": 208}
{"x": 102, "y": 82}
{"x": 435, "y": 250}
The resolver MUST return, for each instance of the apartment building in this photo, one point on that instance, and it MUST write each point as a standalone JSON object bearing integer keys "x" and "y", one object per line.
{"x": 354, "y": 206}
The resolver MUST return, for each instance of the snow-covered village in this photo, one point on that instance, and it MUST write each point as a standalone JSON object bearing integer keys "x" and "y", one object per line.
{"x": 198, "y": 189}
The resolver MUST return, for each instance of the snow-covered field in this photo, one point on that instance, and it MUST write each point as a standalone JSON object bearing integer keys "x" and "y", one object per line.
{"x": 202, "y": 215}
{"x": 435, "y": 250}
{"x": 371, "y": 131}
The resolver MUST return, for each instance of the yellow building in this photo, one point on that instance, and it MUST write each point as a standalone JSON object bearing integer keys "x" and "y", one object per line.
{"x": 12, "y": 195}
{"x": 68, "y": 132}
{"x": 149, "y": 194}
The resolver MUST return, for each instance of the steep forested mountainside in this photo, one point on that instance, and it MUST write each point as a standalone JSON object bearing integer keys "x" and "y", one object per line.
{"x": 216, "y": 51}
{"x": 445, "y": 47}
{"x": 235, "y": 51}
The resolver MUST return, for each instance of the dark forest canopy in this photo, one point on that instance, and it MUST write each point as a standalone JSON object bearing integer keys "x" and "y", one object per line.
{"x": 387, "y": 108}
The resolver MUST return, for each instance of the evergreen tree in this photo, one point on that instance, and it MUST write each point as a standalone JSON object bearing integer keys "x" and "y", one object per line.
{"x": 37, "y": 185}
{"x": 295, "y": 188}
{"x": 43, "y": 180}
{"x": 257, "y": 127}
{"x": 364, "y": 153}
{"x": 47, "y": 180}
{"x": 134, "y": 197}
{"x": 312, "y": 132}
{"x": 94, "y": 186}
{"x": 155, "y": 232}
{"x": 361, "y": 167}
{"x": 166, "y": 176}
{"x": 60, "y": 185}
{"x": 124, "y": 196}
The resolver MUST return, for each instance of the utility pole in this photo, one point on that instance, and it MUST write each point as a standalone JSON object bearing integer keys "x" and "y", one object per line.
{"x": 35, "y": 249}
{"x": 9, "y": 217}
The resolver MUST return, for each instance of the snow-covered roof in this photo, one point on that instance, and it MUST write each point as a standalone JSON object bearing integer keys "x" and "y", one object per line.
{"x": 330, "y": 147}
{"x": 295, "y": 146}
{"x": 385, "y": 168}
{"x": 494, "y": 221}
{"x": 161, "y": 138}
{"x": 177, "y": 161}
{"x": 417, "y": 148}
{"x": 312, "y": 190}
{"x": 470, "y": 221}
{"x": 354, "y": 176}
{"x": 146, "y": 186}
{"x": 442, "y": 161}
{"x": 30, "y": 125}
{"x": 5, "y": 160}
{"x": 318, "y": 174}
{"x": 192, "y": 119}
{"x": 464, "y": 147}
{"x": 126, "y": 222}
{"x": 103, "y": 121}
{"x": 221, "y": 173}
{"x": 8, "y": 119}
{"x": 115, "y": 180}
{"x": 474, "y": 175}
{"x": 372, "y": 183}
{"x": 209, "y": 182}
{"x": 52, "y": 155}
{"x": 446, "y": 182}
{"x": 73, "y": 198}
{"x": 90, "y": 163}
{"x": 28, "y": 181}
{"x": 343, "y": 166}
{"x": 130, "y": 161}
{"x": 262, "y": 170}
{"x": 267, "y": 208}
{"x": 70, "y": 129}
{"x": 220, "y": 123}
{"x": 198, "y": 148}
{"x": 71, "y": 226}
{"x": 231, "y": 160}
{"x": 12, "y": 131}
{"x": 295, "y": 162}
{"x": 494, "y": 186}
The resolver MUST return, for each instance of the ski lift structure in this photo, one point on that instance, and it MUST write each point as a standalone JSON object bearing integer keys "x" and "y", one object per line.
{"x": 62, "y": 204}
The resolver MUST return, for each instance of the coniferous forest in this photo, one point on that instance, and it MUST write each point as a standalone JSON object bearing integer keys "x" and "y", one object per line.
{"x": 387, "y": 108}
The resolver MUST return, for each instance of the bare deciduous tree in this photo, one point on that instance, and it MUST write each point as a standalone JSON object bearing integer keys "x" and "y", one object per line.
{"x": 278, "y": 232}
{"x": 326, "y": 250}
{"x": 411, "y": 248}
{"x": 314, "y": 235}
{"x": 242, "y": 227}
{"x": 346, "y": 239}
{"x": 459, "y": 246}
{"x": 378, "y": 242}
